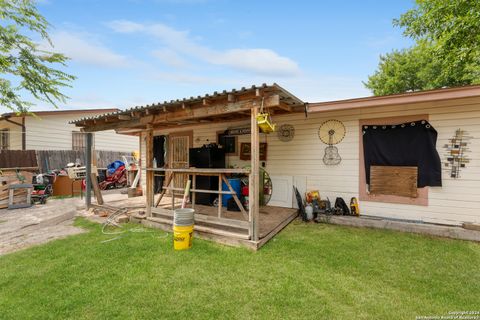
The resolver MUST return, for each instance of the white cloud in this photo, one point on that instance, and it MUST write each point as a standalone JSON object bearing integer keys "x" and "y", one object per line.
{"x": 258, "y": 61}
{"x": 84, "y": 49}
{"x": 170, "y": 57}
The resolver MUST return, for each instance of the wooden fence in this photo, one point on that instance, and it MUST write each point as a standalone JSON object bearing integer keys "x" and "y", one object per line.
{"x": 47, "y": 160}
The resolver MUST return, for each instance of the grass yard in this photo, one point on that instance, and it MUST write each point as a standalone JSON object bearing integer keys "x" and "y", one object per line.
{"x": 306, "y": 272}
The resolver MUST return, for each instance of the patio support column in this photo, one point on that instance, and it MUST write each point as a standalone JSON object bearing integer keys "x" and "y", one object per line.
{"x": 149, "y": 174}
{"x": 88, "y": 166}
{"x": 253, "y": 195}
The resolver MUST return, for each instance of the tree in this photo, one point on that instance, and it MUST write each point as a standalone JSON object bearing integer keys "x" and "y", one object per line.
{"x": 446, "y": 52}
{"x": 24, "y": 66}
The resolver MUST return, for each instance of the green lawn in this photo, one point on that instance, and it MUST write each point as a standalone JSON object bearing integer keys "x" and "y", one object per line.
{"x": 307, "y": 272}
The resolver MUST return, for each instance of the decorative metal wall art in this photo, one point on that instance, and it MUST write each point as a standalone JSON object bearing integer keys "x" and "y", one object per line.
{"x": 286, "y": 132}
{"x": 456, "y": 149}
{"x": 331, "y": 132}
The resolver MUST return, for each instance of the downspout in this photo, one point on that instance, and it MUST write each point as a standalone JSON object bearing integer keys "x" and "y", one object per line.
{"x": 24, "y": 133}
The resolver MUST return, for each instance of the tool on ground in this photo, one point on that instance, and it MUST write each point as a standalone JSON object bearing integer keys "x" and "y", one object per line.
{"x": 42, "y": 187}
{"x": 354, "y": 208}
{"x": 301, "y": 205}
{"x": 186, "y": 193}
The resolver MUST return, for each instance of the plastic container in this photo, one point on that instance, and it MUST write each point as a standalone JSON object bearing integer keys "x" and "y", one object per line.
{"x": 236, "y": 186}
{"x": 183, "y": 221}
{"x": 182, "y": 237}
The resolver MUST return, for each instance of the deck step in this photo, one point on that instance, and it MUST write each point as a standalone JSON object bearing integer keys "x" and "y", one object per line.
{"x": 201, "y": 228}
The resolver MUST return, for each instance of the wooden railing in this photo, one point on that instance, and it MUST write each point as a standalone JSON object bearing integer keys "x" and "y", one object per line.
{"x": 194, "y": 172}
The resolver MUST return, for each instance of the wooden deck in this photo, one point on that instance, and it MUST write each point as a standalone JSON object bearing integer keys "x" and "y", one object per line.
{"x": 234, "y": 231}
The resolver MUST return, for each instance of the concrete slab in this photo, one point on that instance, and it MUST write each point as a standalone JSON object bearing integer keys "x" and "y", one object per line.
{"x": 22, "y": 228}
{"x": 453, "y": 232}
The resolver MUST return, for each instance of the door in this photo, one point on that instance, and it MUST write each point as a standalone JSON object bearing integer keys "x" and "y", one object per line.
{"x": 179, "y": 145}
{"x": 282, "y": 191}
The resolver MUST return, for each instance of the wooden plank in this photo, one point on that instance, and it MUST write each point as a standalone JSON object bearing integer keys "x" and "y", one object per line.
{"x": 199, "y": 190}
{"x": 199, "y": 217}
{"x": 96, "y": 189}
{"x": 235, "y": 197}
{"x": 164, "y": 190}
{"x": 276, "y": 230}
{"x": 394, "y": 180}
{"x": 229, "y": 237}
{"x": 199, "y": 171}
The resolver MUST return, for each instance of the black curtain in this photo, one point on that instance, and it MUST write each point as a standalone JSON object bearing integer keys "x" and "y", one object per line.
{"x": 405, "y": 144}
{"x": 159, "y": 156}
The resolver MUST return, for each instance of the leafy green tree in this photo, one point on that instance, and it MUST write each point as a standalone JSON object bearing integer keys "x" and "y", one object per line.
{"x": 23, "y": 65}
{"x": 446, "y": 52}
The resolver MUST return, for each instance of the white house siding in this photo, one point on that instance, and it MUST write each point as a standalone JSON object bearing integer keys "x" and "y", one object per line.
{"x": 456, "y": 202}
{"x": 15, "y": 133}
{"x": 53, "y": 132}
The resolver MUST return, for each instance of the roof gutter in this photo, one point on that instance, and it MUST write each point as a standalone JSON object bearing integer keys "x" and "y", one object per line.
{"x": 398, "y": 99}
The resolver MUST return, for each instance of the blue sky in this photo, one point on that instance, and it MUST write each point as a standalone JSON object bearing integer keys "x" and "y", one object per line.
{"x": 136, "y": 52}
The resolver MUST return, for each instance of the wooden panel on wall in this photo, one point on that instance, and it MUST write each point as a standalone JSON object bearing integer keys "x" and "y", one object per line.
{"x": 394, "y": 180}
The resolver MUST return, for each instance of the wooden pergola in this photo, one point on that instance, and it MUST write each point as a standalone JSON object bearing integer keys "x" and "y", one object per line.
{"x": 221, "y": 107}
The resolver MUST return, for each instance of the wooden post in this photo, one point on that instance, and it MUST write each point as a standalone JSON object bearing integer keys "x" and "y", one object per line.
{"x": 254, "y": 179}
{"x": 149, "y": 173}
{"x": 220, "y": 195}
{"x": 194, "y": 186}
{"x": 88, "y": 164}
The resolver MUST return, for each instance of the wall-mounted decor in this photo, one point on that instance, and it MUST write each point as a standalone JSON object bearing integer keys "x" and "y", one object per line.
{"x": 411, "y": 144}
{"x": 286, "y": 132}
{"x": 246, "y": 151}
{"x": 456, "y": 157}
{"x": 331, "y": 132}
{"x": 238, "y": 131}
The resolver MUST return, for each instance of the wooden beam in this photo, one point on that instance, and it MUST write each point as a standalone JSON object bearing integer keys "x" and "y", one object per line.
{"x": 231, "y": 98}
{"x": 137, "y": 122}
{"x": 124, "y": 117}
{"x": 185, "y": 114}
{"x": 285, "y": 107}
{"x": 254, "y": 181}
{"x": 150, "y": 174}
{"x": 215, "y": 110}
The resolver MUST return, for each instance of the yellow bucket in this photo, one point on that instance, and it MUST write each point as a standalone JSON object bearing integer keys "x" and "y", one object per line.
{"x": 182, "y": 237}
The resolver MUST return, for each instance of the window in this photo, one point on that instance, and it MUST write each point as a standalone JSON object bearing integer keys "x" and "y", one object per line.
{"x": 229, "y": 143}
{"x": 4, "y": 139}
{"x": 79, "y": 142}
{"x": 364, "y": 195}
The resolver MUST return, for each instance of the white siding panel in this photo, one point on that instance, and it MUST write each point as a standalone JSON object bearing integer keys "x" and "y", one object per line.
{"x": 53, "y": 132}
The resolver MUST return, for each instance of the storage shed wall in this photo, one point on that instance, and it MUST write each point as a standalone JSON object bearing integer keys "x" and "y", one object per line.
{"x": 456, "y": 202}
{"x": 54, "y": 132}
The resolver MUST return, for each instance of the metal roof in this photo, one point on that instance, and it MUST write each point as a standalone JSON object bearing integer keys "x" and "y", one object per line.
{"x": 285, "y": 96}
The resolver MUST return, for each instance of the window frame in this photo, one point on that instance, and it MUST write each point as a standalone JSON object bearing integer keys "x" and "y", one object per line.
{"x": 219, "y": 133}
{"x": 84, "y": 145}
{"x": 5, "y": 137}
